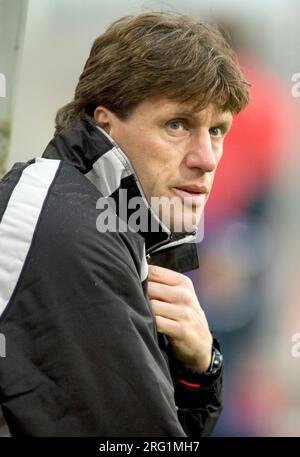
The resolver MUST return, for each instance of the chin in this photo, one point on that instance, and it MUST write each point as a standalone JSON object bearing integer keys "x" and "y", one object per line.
{"x": 176, "y": 215}
{"x": 185, "y": 224}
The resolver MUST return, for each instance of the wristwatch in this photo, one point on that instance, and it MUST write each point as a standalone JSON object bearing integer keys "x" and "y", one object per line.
{"x": 216, "y": 362}
{"x": 206, "y": 378}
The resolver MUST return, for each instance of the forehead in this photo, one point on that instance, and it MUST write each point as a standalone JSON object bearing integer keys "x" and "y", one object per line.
{"x": 162, "y": 107}
{"x": 191, "y": 109}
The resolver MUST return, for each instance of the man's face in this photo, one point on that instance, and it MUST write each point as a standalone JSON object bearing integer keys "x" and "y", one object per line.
{"x": 174, "y": 151}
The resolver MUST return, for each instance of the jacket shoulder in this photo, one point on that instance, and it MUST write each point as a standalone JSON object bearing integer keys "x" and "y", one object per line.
{"x": 48, "y": 219}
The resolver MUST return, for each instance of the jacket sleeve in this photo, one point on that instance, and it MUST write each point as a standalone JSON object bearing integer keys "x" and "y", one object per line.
{"x": 199, "y": 398}
{"x": 198, "y": 408}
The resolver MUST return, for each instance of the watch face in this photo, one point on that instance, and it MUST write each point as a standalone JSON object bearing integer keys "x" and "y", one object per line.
{"x": 216, "y": 362}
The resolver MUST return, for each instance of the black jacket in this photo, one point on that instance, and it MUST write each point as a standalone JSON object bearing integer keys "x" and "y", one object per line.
{"x": 83, "y": 356}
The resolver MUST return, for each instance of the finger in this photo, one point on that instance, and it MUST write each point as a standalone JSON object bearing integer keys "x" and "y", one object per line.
{"x": 170, "y": 294}
{"x": 169, "y": 277}
{"x": 176, "y": 296}
{"x": 182, "y": 314}
{"x": 160, "y": 308}
{"x": 167, "y": 326}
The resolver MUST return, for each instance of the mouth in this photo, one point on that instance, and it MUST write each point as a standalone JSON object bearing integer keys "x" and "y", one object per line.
{"x": 192, "y": 194}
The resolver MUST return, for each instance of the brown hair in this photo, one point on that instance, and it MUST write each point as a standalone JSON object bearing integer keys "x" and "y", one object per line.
{"x": 157, "y": 54}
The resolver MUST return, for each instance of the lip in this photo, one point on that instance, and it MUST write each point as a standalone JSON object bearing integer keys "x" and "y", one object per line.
{"x": 191, "y": 194}
{"x": 193, "y": 189}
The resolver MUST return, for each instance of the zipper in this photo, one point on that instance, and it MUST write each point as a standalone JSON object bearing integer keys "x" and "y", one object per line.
{"x": 156, "y": 246}
{"x": 166, "y": 242}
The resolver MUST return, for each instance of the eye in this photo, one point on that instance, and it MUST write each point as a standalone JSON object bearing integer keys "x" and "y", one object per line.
{"x": 175, "y": 125}
{"x": 216, "y": 131}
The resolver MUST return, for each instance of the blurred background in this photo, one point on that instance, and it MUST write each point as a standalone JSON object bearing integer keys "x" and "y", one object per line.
{"x": 248, "y": 280}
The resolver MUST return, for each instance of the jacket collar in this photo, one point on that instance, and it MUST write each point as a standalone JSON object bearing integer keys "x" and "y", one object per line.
{"x": 95, "y": 154}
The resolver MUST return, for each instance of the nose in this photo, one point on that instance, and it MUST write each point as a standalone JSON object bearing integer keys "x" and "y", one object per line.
{"x": 200, "y": 153}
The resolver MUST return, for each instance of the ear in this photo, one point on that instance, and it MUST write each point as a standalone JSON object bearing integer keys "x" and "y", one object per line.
{"x": 103, "y": 117}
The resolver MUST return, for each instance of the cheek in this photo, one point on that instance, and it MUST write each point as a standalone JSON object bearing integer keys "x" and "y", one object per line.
{"x": 219, "y": 152}
{"x": 165, "y": 172}
{"x": 156, "y": 176}
{"x": 151, "y": 159}
{"x": 155, "y": 161}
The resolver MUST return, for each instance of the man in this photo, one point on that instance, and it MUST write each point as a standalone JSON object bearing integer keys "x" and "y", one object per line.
{"x": 98, "y": 343}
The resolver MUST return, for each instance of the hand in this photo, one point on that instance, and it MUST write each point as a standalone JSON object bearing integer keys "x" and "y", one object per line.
{"x": 179, "y": 316}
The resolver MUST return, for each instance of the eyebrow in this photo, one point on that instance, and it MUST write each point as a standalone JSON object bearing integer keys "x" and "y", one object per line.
{"x": 225, "y": 122}
{"x": 184, "y": 113}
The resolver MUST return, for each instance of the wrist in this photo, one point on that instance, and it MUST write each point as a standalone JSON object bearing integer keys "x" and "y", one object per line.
{"x": 206, "y": 377}
{"x": 197, "y": 368}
